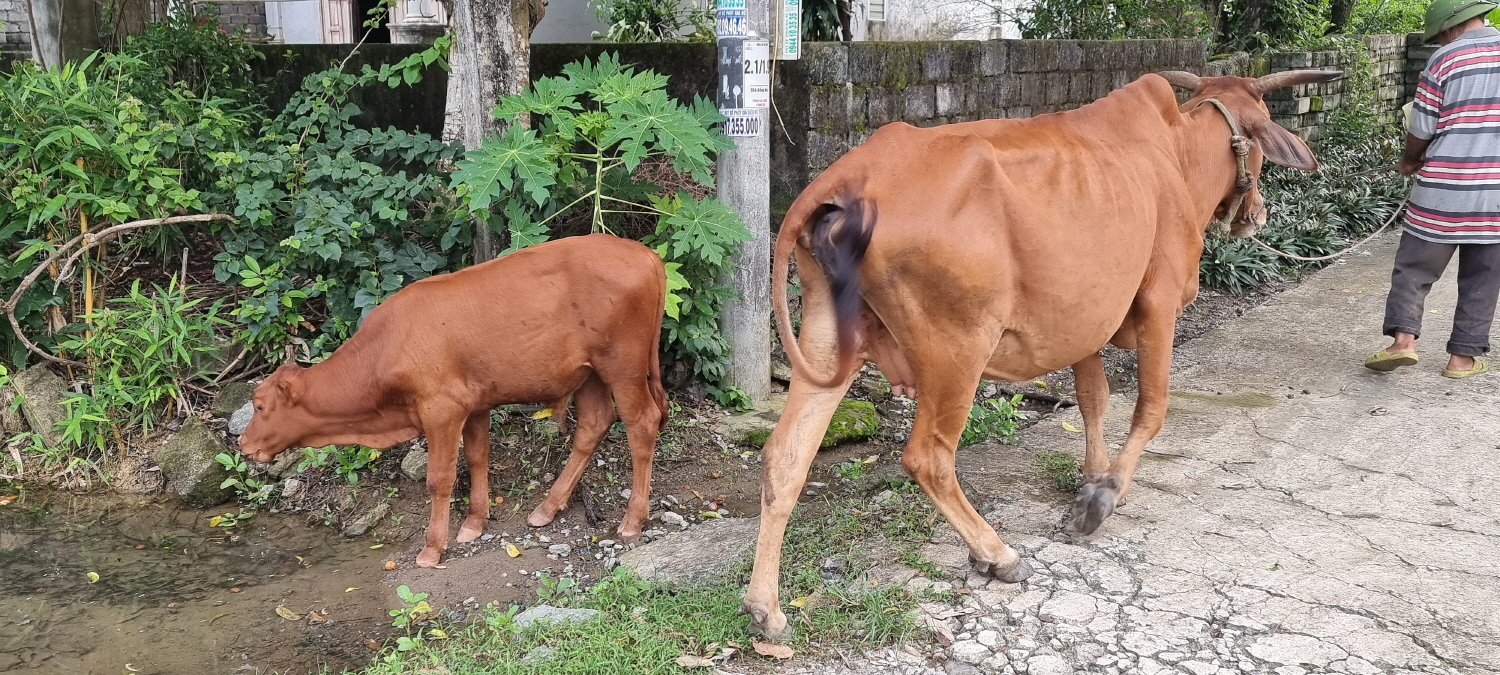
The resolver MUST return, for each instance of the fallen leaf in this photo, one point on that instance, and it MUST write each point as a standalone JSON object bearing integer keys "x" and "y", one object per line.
{"x": 372, "y": 645}
{"x": 236, "y": 589}
{"x": 544, "y": 413}
{"x": 872, "y": 459}
{"x": 499, "y": 501}
{"x": 799, "y": 602}
{"x": 1379, "y": 411}
{"x": 438, "y": 633}
{"x": 351, "y": 589}
{"x": 374, "y": 455}
{"x": 376, "y": 546}
{"x": 698, "y": 494}
{"x": 1039, "y": 383}
{"x": 214, "y": 521}
{"x": 511, "y": 550}
{"x": 314, "y": 617}
{"x": 93, "y": 577}
{"x": 1071, "y": 428}
{"x": 439, "y": 567}
{"x": 390, "y": 565}
{"x": 6, "y": 499}
{"x": 734, "y": 644}
{"x": 709, "y": 514}
{"x": 690, "y": 661}
{"x": 287, "y": 614}
{"x": 132, "y": 669}
{"x": 773, "y": 650}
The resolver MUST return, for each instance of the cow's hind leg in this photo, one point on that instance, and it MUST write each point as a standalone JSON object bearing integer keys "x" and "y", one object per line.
{"x": 443, "y": 424}
{"x": 477, "y": 455}
{"x": 592, "y": 407}
{"x": 643, "y": 419}
{"x": 930, "y": 454}
{"x": 1155, "y": 321}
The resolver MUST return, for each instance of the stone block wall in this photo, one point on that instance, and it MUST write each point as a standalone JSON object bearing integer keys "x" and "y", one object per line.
{"x": 15, "y": 28}
{"x": 1303, "y": 108}
{"x": 840, "y": 93}
{"x": 247, "y": 16}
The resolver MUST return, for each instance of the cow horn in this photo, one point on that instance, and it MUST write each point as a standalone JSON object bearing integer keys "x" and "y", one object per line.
{"x": 1181, "y": 78}
{"x": 1291, "y": 78}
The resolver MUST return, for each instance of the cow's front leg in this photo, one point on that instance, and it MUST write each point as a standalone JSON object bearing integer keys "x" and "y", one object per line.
{"x": 595, "y": 413}
{"x": 1092, "y": 389}
{"x": 1156, "y": 322}
{"x": 443, "y": 428}
{"x": 477, "y": 454}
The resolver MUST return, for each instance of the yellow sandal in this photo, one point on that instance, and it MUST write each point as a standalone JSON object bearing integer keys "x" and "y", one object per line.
{"x": 1385, "y": 361}
{"x": 1480, "y": 366}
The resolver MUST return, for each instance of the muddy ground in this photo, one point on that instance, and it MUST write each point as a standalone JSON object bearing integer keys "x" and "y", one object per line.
{"x": 177, "y": 595}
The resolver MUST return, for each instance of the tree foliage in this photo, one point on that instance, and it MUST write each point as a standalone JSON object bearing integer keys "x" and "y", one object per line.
{"x": 595, "y": 126}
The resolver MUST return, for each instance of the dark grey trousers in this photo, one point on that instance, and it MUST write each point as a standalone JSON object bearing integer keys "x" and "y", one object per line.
{"x": 1419, "y": 263}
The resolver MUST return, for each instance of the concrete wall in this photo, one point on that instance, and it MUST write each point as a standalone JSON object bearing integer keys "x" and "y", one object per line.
{"x": 568, "y": 21}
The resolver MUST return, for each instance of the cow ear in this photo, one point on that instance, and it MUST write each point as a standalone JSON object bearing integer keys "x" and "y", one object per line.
{"x": 290, "y": 386}
{"x": 1282, "y": 146}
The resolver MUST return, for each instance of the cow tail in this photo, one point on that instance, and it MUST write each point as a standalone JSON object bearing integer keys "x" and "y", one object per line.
{"x": 653, "y": 378}
{"x": 839, "y": 236}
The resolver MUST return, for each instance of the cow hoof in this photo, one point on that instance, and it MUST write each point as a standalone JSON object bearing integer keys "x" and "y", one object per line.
{"x": 539, "y": 518}
{"x": 429, "y": 557}
{"x": 1014, "y": 573}
{"x": 469, "y": 532}
{"x": 769, "y": 623}
{"x": 1096, "y": 501}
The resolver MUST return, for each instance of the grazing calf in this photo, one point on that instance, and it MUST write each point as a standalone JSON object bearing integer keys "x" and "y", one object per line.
{"x": 572, "y": 318}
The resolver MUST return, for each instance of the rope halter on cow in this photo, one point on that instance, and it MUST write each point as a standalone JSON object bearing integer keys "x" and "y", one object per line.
{"x": 1240, "y": 144}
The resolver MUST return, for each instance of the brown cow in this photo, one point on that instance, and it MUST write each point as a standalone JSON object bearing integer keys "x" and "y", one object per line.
{"x": 572, "y": 318}
{"x": 1005, "y": 249}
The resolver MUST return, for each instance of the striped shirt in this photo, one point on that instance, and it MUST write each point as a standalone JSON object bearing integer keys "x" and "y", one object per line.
{"x": 1457, "y": 196}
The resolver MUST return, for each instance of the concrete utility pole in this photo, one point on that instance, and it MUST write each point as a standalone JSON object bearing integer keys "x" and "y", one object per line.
{"x": 744, "y": 178}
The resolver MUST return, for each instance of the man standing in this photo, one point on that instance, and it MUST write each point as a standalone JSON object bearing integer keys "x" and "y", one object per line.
{"x": 1453, "y": 148}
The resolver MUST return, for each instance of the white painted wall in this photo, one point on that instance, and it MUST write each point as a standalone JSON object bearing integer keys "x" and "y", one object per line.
{"x": 294, "y": 22}
{"x": 568, "y": 21}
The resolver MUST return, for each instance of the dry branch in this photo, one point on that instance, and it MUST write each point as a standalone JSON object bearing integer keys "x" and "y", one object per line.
{"x": 88, "y": 241}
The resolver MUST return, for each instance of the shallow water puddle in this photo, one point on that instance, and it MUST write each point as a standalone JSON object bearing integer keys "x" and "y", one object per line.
{"x": 174, "y": 595}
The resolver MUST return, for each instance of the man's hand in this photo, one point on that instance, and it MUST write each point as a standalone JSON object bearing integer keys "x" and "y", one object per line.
{"x": 1415, "y": 156}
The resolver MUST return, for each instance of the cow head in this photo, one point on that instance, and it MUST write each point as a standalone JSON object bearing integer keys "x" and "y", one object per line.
{"x": 1242, "y": 99}
{"x": 279, "y": 422}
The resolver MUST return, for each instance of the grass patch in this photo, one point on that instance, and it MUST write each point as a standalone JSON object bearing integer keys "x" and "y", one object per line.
{"x": 1062, "y": 468}
{"x": 644, "y": 627}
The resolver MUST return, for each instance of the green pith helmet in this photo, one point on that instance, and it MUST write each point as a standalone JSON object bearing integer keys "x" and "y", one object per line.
{"x": 1445, "y": 14}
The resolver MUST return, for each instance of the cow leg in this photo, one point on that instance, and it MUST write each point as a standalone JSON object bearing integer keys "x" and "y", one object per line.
{"x": 1093, "y": 399}
{"x": 1097, "y": 498}
{"x": 443, "y": 427}
{"x": 477, "y": 454}
{"x": 930, "y": 455}
{"x": 595, "y": 413}
{"x": 789, "y": 452}
{"x": 643, "y": 418}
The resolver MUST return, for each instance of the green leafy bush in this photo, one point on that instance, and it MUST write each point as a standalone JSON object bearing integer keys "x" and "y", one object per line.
{"x": 1111, "y": 19}
{"x": 992, "y": 420}
{"x": 577, "y": 170}
{"x": 655, "y": 21}
{"x": 144, "y": 347}
{"x": 334, "y": 218}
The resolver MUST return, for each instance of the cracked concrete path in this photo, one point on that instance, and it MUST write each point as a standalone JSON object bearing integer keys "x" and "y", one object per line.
{"x": 1298, "y": 513}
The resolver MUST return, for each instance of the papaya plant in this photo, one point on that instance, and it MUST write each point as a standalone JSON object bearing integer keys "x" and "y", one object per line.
{"x": 593, "y": 128}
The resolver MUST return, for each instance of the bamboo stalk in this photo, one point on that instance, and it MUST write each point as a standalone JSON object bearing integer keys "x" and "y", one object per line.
{"x": 88, "y": 273}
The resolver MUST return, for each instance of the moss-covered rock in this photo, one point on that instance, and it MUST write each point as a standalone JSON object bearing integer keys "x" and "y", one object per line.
{"x": 42, "y": 395}
{"x": 232, "y": 397}
{"x": 853, "y": 421}
{"x": 187, "y": 461}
